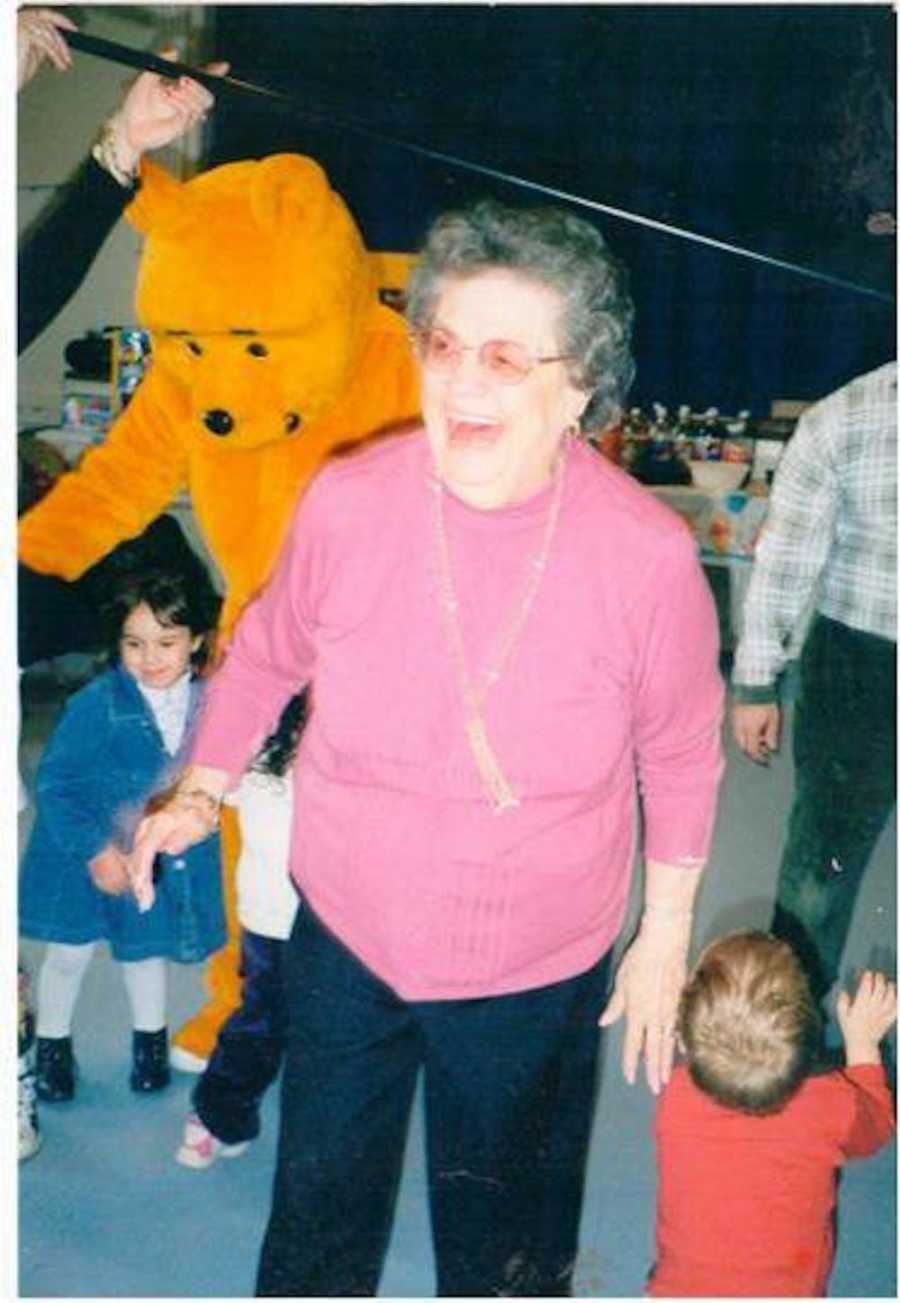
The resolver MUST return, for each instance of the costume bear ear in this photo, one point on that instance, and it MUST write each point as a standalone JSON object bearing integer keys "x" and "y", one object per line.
{"x": 160, "y": 200}
{"x": 290, "y": 189}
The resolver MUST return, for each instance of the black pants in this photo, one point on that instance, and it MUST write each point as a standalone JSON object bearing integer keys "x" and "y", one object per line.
{"x": 845, "y": 740}
{"x": 509, "y": 1097}
{"x": 249, "y": 1048}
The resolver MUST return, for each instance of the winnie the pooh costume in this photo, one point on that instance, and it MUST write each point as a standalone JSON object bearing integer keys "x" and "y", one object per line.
{"x": 270, "y": 349}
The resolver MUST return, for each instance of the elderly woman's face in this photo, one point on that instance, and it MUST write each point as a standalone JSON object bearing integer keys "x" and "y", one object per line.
{"x": 495, "y": 443}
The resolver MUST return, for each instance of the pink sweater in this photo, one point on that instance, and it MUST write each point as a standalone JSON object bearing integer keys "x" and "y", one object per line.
{"x": 613, "y": 686}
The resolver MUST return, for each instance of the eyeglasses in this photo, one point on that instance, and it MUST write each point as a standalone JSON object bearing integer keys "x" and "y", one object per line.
{"x": 503, "y": 359}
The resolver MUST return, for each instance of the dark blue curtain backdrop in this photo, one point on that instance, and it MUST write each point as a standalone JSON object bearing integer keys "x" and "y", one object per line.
{"x": 768, "y": 126}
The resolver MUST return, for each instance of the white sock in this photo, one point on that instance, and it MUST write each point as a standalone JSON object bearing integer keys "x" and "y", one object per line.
{"x": 59, "y": 982}
{"x": 145, "y": 982}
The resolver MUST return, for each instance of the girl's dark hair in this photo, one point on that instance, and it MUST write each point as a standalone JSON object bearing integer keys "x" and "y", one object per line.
{"x": 280, "y": 747}
{"x": 174, "y": 597}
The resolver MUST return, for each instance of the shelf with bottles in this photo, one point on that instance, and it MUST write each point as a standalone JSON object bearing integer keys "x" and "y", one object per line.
{"x": 708, "y": 450}
{"x": 103, "y": 372}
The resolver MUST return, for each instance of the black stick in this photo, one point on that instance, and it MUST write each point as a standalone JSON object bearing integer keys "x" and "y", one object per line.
{"x": 147, "y": 62}
{"x": 153, "y": 63}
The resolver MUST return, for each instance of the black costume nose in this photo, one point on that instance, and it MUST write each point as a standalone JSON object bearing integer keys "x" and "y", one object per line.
{"x": 218, "y": 421}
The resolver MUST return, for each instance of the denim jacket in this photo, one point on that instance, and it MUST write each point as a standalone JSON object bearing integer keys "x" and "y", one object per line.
{"x": 104, "y": 760}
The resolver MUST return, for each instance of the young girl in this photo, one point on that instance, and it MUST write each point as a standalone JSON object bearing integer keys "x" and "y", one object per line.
{"x": 119, "y": 741}
{"x": 251, "y": 1043}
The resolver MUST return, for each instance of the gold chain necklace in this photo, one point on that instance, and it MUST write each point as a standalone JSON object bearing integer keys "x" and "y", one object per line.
{"x": 502, "y": 796}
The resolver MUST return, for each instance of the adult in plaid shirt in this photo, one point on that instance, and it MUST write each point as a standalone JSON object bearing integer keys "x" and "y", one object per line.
{"x": 830, "y": 536}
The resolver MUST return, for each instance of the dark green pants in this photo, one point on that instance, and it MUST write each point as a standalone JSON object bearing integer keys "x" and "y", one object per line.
{"x": 845, "y": 739}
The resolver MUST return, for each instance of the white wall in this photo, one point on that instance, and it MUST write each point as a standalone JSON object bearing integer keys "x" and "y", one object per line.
{"x": 59, "y": 115}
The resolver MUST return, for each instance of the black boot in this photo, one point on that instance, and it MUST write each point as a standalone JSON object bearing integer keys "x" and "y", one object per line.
{"x": 54, "y": 1069}
{"x": 150, "y": 1057}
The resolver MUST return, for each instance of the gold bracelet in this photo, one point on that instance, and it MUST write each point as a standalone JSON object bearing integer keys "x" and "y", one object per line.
{"x": 190, "y": 796}
{"x": 106, "y": 154}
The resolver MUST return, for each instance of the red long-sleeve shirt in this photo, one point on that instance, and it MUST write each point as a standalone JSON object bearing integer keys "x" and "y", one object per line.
{"x": 744, "y": 1203}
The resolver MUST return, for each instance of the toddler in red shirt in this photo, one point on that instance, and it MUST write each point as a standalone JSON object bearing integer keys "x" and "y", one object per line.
{"x": 750, "y": 1137}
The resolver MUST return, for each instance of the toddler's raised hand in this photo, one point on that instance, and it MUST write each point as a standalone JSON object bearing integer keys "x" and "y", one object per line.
{"x": 866, "y": 1018}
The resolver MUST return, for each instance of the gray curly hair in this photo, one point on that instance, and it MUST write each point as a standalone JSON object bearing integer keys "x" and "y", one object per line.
{"x": 564, "y": 253}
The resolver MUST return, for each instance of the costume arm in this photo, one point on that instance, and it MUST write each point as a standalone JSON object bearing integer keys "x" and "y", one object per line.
{"x": 873, "y": 1116}
{"x": 792, "y": 550}
{"x": 54, "y": 257}
{"x": 67, "y": 778}
{"x": 116, "y": 491}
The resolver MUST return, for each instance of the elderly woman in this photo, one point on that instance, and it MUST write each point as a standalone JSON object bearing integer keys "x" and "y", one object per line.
{"x": 507, "y": 639}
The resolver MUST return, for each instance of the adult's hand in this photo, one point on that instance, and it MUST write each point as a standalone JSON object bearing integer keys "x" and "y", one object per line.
{"x": 171, "y": 829}
{"x": 756, "y": 729}
{"x": 157, "y": 111}
{"x": 39, "y": 37}
{"x": 109, "y": 872}
{"x": 647, "y": 989}
{"x": 176, "y": 819}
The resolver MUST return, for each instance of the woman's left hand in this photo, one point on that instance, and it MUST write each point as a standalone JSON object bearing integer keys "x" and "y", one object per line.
{"x": 647, "y": 989}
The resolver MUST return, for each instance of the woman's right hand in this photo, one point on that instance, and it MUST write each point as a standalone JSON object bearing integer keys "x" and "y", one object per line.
{"x": 171, "y": 829}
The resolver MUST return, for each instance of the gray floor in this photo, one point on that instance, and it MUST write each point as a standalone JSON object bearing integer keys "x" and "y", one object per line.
{"x": 105, "y": 1212}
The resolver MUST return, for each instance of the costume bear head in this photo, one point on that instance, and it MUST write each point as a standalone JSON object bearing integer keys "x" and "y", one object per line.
{"x": 270, "y": 351}
{"x": 257, "y": 289}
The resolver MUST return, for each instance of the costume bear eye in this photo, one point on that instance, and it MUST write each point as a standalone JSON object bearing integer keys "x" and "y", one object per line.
{"x": 194, "y": 347}
{"x": 257, "y": 350}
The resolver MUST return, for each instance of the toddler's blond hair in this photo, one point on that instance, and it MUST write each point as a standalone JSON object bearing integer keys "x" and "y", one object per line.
{"x": 748, "y": 1022}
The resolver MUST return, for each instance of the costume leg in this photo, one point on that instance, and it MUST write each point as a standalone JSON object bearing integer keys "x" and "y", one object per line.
{"x": 510, "y": 1088}
{"x": 198, "y": 1036}
{"x": 351, "y": 1059}
{"x": 250, "y": 1047}
{"x": 845, "y": 763}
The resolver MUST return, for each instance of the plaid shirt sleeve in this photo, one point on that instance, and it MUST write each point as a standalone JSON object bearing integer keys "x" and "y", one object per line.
{"x": 791, "y": 553}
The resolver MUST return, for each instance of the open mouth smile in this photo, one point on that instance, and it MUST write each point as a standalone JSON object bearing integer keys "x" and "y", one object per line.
{"x": 472, "y": 430}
